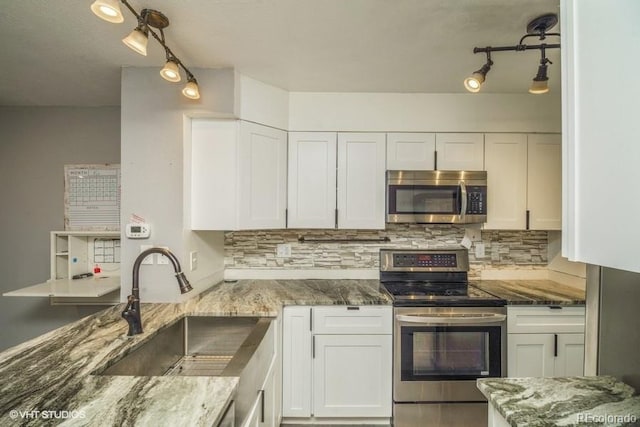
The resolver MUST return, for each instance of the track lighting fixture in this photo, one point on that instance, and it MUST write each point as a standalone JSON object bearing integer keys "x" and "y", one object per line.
{"x": 137, "y": 40}
{"x": 536, "y": 28}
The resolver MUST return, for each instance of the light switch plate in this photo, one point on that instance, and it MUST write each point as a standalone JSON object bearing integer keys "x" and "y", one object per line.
{"x": 193, "y": 258}
{"x": 163, "y": 260}
{"x": 149, "y": 258}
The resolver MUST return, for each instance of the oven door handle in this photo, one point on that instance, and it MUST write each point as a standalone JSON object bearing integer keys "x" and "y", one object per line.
{"x": 439, "y": 320}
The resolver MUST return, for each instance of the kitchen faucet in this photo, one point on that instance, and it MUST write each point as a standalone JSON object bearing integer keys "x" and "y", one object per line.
{"x": 131, "y": 312}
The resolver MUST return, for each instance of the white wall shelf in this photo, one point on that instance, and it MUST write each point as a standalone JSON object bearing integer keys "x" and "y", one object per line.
{"x": 77, "y": 252}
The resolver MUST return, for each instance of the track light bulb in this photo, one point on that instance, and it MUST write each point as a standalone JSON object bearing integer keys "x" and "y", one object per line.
{"x": 109, "y": 10}
{"x": 170, "y": 72}
{"x": 474, "y": 82}
{"x": 191, "y": 90}
{"x": 540, "y": 85}
{"x": 137, "y": 40}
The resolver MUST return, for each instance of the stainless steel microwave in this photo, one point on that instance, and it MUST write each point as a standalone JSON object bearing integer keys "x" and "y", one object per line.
{"x": 440, "y": 197}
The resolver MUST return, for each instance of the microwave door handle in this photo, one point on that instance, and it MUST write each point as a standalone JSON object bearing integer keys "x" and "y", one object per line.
{"x": 463, "y": 197}
{"x": 436, "y": 320}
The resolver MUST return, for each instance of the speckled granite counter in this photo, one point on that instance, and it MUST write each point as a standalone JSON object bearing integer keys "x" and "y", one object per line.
{"x": 563, "y": 401}
{"x": 532, "y": 292}
{"x": 53, "y": 372}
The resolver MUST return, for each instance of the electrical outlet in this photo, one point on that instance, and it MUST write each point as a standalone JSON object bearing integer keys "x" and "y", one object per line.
{"x": 163, "y": 260}
{"x": 479, "y": 250}
{"x": 149, "y": 258}
{"x": 193, "y": 257}
{"x": 283, "y": 250}
{"x": 473, "y": 233}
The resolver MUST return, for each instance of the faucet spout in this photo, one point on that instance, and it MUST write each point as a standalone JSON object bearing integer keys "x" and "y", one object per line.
{"x": 131, "y": 311}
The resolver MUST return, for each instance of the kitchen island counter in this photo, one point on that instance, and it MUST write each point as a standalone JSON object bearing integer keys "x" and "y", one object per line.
{"x": 532, "y": 292}
{"x": 55, "y": 372}
{"x": 561, "y": 401}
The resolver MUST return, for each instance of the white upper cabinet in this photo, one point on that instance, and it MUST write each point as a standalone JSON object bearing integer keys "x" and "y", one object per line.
{"x": 411, "y": 151}
{"x": 460, "y": 151}
{"x": 238, "y": 175}
{"x": 506, "y": 165}
{"x": 312, "y": 180}
{"x": 418, "y": 151}
{"x": 361, "y": 180}
{"x": 544, "y": 191}
{"x": 524, "y": 180}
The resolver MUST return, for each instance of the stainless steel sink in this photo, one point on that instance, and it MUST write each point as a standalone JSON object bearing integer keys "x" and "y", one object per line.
{"x": 196, "y": 346}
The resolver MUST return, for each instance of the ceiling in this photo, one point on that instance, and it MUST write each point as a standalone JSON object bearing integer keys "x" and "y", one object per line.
{"x": 59, "y": 53}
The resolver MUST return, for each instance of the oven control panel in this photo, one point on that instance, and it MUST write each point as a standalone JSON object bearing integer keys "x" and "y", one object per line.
{"x": 425, "y": 260}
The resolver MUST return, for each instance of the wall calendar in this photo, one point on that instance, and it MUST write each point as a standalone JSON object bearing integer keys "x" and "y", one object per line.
{"x": 92, "y": 197}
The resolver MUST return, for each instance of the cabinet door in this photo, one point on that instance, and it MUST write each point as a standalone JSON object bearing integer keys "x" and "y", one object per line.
{"x": 544, "y": 193}
{"x": 361, "y": 181}
{"x": 214, "y": 203}
{"x": 312, "y": 180}
{"x": 506, "y": 165}
{"x": 460, "y": 151}
{"x": 268, "y": 411}
{"x": 253, "y": 417}
{"x": 262, "y": 176}
{"x": 570, "y": 359}
{"x": 296, "y": 362}
{"x": 411, "y": 151}
{"x": 352, "y": 376}
{"x": 530, "y": 355}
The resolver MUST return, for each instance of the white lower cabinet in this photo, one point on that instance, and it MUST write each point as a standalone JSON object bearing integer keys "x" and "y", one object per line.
{"x": 545, "y": 341}
{"x": 337, "y": 362}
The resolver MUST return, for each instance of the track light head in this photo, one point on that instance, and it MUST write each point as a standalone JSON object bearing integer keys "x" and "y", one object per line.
{"x": 191, "y": 90}
{"x": 539, "y": 84}
{"x": 474, "y": 82}
{"x": 170, "y": 72}
{"x": 109, "y": 10}
{"x": 137, "y": 40}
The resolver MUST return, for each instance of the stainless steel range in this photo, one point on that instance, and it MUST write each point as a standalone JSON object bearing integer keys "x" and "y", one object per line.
{"x": 447, "y": 333}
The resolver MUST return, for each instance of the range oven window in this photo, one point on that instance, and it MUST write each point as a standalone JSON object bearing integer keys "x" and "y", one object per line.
{"x": 424, "y": 199}
{"x": 450, "y": 352}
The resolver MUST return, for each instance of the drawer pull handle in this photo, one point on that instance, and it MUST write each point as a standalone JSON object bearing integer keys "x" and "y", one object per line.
{"x": 353, "y": 308}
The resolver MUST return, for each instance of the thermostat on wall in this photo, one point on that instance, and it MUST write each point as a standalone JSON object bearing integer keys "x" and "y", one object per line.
{"x": 138, "y": 231}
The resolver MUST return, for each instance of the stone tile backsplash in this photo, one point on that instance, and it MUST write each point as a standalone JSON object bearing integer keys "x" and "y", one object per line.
{"x": 257, "y": 248}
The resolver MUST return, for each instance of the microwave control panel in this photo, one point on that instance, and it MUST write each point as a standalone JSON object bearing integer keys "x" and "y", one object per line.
{"x": 476, "y": 200}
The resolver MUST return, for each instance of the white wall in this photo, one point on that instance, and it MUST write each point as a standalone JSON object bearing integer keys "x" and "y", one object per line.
{"x": 155, "y": 122}
{"x": 261, "y": 103}
{"x": 600, "y": 132}
{"x": 35, "y": 144}
{"x": 424, "y": 112}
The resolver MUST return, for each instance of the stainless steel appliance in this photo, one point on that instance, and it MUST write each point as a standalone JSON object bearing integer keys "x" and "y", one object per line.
{"x": 436, "y": 196}
{"x": 447, "y": 333}
{"x": 612, "y": 335}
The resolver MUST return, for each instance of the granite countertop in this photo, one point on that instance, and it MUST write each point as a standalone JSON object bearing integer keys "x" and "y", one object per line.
{"x": 53, "y": 372}
{"x": 532, "y": 292}
{"x": 563, "y": 401}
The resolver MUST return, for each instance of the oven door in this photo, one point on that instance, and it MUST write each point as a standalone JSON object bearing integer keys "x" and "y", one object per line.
{"x": 440, "y": 352}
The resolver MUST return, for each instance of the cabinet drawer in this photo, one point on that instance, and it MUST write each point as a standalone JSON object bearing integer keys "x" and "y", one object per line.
{"x": 545, "y": 319}
{"x": 352, "y": 320}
